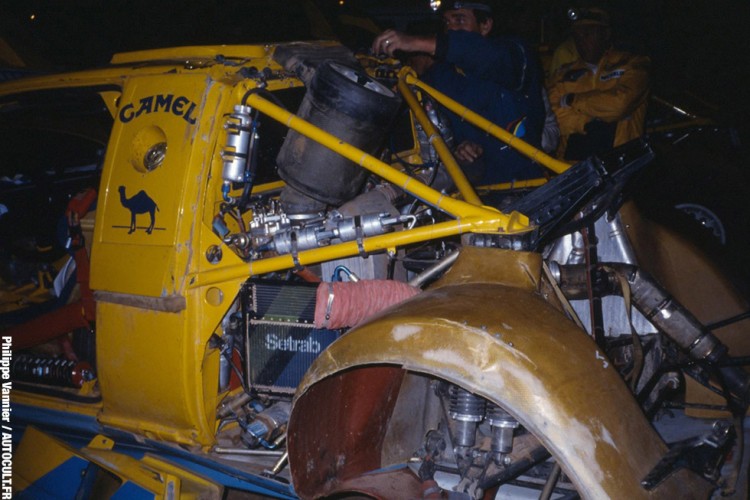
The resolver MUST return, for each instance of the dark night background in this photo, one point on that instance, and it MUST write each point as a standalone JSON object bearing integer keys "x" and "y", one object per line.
{"x": 699, "y": 51}
{"x": 699, "y": 46}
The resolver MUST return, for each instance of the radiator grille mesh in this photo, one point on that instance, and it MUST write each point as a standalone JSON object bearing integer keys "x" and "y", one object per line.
{"x": 281, "y": 342}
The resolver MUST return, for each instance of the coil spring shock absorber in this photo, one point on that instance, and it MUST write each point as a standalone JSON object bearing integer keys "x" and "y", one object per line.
{"x": 503, "y": 425}
{"x": 467, "y": 410}
{"x": 52, "y": 371}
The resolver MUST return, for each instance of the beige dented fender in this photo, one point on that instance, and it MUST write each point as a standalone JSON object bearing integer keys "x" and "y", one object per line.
{"x": 487, "y": 328}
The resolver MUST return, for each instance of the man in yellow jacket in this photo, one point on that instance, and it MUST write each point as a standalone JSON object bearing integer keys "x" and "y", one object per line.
{"x": 600, "y": 98}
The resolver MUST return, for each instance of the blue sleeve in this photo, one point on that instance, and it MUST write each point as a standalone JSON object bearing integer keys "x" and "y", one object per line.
{"x": 485, "y": 58}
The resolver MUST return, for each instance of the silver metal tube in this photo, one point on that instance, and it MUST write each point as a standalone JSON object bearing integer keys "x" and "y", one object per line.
{"x": 434, "y": 270}
{"x": 669, "y": 316}
{"x": 672, "y": 318}
{"x": 229, "y": 407}
{"x": 245, "y": 451}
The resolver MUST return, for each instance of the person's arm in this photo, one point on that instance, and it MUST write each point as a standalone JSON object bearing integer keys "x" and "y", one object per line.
{"x": 390, "y": 41}
{"x": 490, "y": 60}
{"x": 620, "y": 101}
{"x": 569, "y": 120}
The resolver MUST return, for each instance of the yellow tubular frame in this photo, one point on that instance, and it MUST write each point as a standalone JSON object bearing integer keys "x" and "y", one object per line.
{"x": 407, "y": 77}
{"x": 458, "y": 176}
{"x": 471, "y": 218}
{"x": 409, "y": 184}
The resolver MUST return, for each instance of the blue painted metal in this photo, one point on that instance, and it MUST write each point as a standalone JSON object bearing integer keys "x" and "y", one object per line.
{"x": 62, "y": 482}
{"x": 77, "y": 430}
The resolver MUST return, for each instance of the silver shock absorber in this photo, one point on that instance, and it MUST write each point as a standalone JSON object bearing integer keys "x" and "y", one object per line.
{"x": 236, "y": 153}
{"x": 503, "y": 425}
{"x": 467, "y": 410}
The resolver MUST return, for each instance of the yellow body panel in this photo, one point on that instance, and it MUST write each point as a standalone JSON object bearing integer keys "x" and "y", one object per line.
{"x": 152, "y": 262}
{"x": 160, "y": 377}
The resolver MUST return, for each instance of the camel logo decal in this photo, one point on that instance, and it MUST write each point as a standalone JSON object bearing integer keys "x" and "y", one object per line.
{"x": 140, "y": 203}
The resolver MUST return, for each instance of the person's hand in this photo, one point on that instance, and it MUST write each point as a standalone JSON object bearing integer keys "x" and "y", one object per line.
{"x": 390, "y": 41}
{"x": 468, "y": 151}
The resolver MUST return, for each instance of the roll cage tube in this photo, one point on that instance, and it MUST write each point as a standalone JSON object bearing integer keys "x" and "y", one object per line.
{"x": 451, "y": 165}
{"x": 470, "y": 218}
{"x": 406, "y": 77}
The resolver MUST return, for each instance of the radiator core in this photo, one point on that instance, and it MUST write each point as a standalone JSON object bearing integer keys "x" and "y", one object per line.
{"x": 281, "y": 341}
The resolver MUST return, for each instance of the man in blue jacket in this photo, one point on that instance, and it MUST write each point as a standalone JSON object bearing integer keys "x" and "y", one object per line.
{"x": 496, "y": 77}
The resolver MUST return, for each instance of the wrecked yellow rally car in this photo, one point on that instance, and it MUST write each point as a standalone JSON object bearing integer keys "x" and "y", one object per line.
{"x": 267, "y": 274}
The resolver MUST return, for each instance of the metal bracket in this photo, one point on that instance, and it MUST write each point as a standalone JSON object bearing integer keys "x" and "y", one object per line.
{"x": 703, "y": 454}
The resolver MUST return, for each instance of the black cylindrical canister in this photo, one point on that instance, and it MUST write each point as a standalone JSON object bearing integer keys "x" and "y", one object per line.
{"x": 349, "y": 104}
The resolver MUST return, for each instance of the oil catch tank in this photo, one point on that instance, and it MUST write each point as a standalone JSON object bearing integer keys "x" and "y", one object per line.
{"x": 280, "y": 340}
{"x": 345, "y": 102}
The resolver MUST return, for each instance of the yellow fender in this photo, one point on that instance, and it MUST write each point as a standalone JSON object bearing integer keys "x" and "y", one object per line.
{"x": 487, "y": 328}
